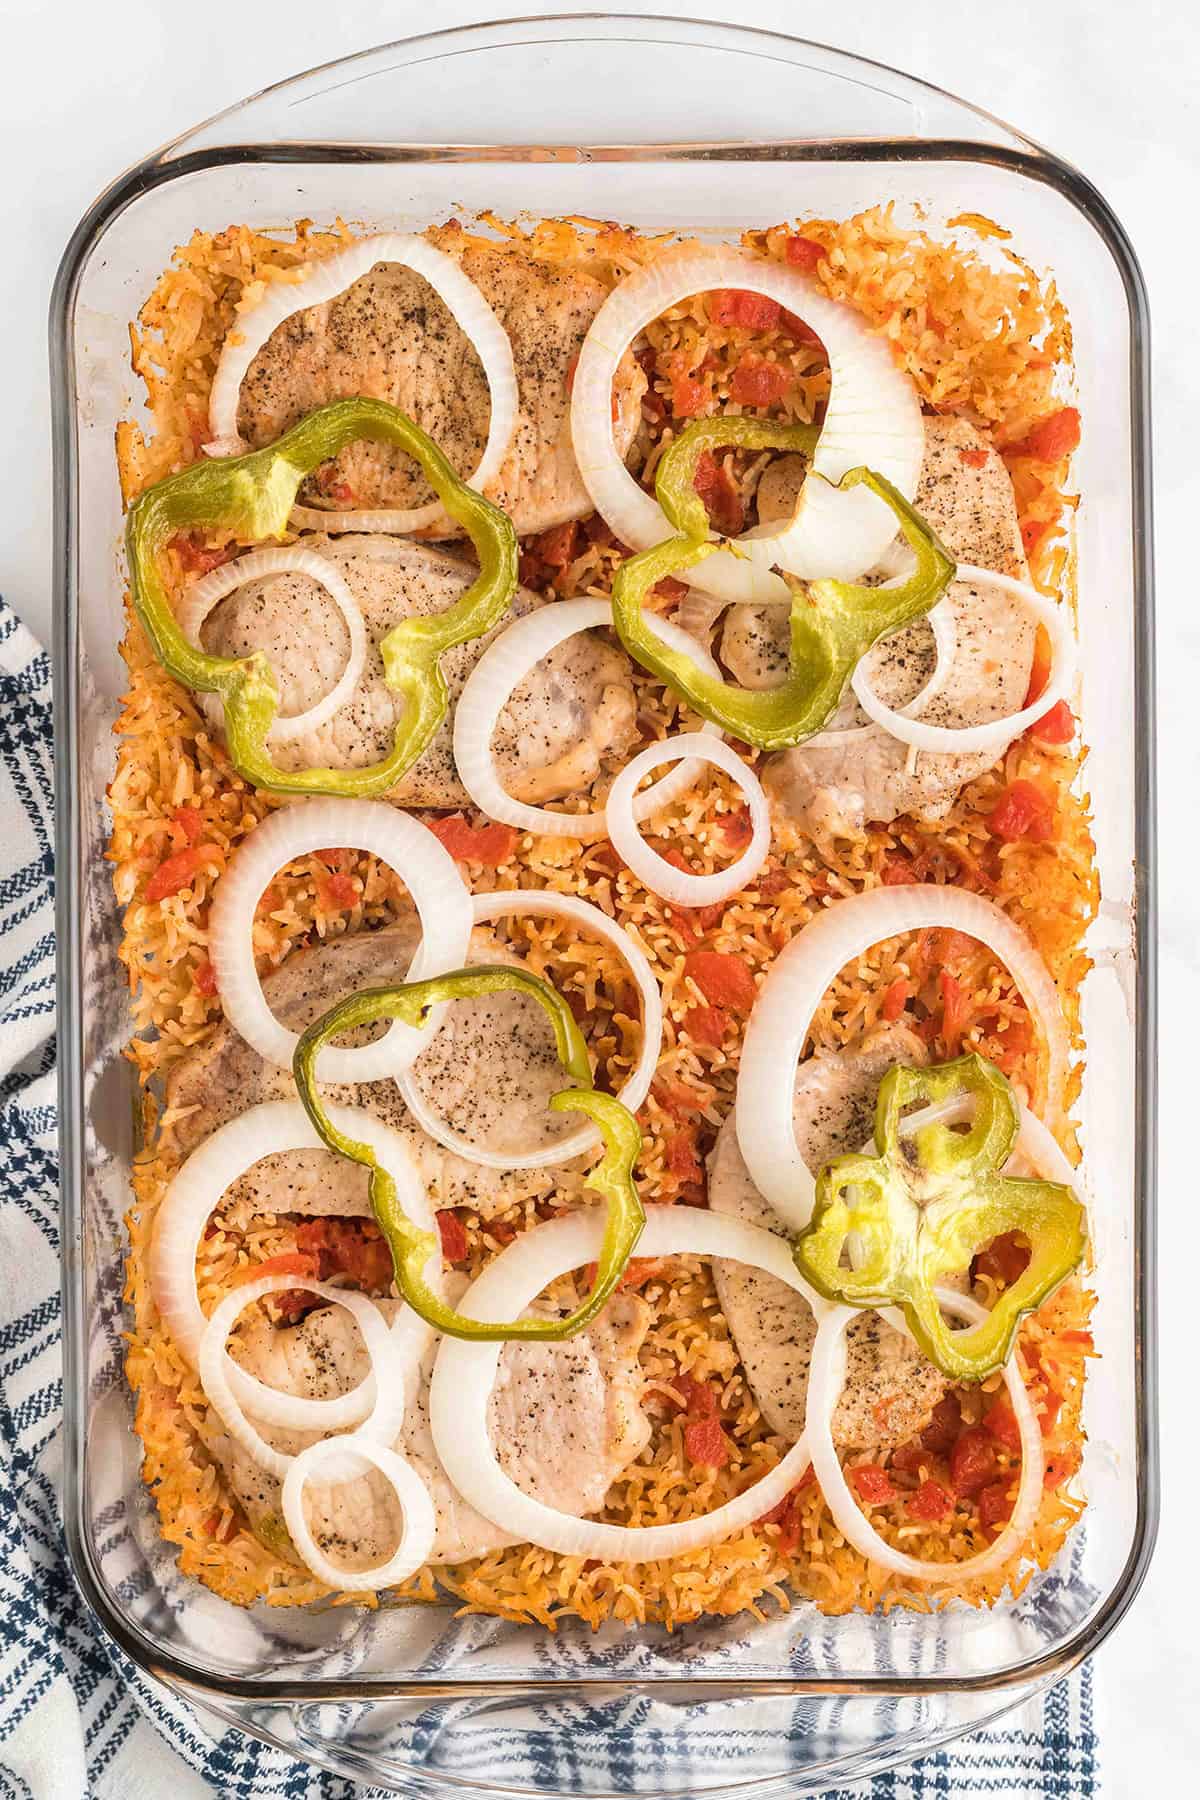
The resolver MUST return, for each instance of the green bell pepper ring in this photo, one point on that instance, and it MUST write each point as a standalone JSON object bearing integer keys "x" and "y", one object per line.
{"x": 833, "y": 623}
{"x": 252, "y": 496}
{"x": 924, "y": 1206}
{"x": 410, "y": 1246}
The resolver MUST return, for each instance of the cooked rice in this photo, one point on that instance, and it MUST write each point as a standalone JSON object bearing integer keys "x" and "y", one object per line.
{"x": 980, "y": 335}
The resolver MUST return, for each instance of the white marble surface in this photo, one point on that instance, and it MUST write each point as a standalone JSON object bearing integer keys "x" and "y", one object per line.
{"x": 89, "y": 88}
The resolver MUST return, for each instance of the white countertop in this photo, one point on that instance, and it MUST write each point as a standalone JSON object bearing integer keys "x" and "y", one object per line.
{"x": 90, "y": 88}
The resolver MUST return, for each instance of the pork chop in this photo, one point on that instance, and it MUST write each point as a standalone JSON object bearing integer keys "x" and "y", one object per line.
{"x": 891, "y": 1389}
{"x": 389, "y": 337}
{"x": 565, "y": 1418}
{"x": 491, "y": 1069}
{"x": 573, "y": 710}
{"x": 835, "y": 790}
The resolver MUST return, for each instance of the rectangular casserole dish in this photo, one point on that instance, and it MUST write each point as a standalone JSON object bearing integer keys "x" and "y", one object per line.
{"x": 398, "y": 138}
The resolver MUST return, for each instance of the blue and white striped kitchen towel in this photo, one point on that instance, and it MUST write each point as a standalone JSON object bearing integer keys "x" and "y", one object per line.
{"x": 77, "y": 1721}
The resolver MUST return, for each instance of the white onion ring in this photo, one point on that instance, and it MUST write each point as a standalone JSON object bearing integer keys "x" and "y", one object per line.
{"x": 653, "y": 870}
{"x": 993, "y": 734}
{"x": 415, "y": 1504}
{"x": 873, "y": 417}
{"x": 270, "y": 1129}
{"x": 827, "y": 1378}
{"x": 389, "y": 1376}
{"x": 200, "y": 599}
{"x": 464, "y": 1372}
{"x": 487, "y": 907}
{"x": 505, "y": 663}
{"x": 940, "y": 620}
{"x": 411, "y": 851}
{"x": 324, "y": 280}
{"x": 783, "y": 1012}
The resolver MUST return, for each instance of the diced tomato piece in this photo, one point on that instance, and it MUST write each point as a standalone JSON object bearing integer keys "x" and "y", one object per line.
{"x": 1023, "y": 811}
{"x": 996, "y": 1503}
{"x": 490, "y": 844}
{"x": 669, "y": 588}
{"x": 897, "y": 871}
{"x": 872, "y": 1484}
{"x": 502, "y": 1231}
{"x": 706, "y": 1024}
{"x": 931, "y": 1501}
{"x": 1001, "y": 1421}
{"x": 735, "y": 829}
{"x": 738, "y": 306}
{"x": 895, "y": 999}
{"x": 788, "y": 1514}
{"x": 195, "y": 555}
{"x": 688, "y": 395}
{"x": 772, "y": 882}
{"x": 972, "y": 1463}
{"x": 759, "y": 383}
{"x": 338, "y": 893}
{"x": 1039, "y": 673}
{"x": 941, "y": 1433}
{"x": 1060, "y": 1468}
{"x": 453, "y": 1234}
{"x": 638, "y": 1271}
{"x": 975, "y": 458}
{"x": 1032, "y": 533}
{"x": 1078, "y": 1337}
{"x": 675, "y": 1099}
{"x": 909, "y": 1459}
{"x": 558, "y": 546}
{"x": 336, "y": 860}
{"x": 1052, "y": 438}
{"x": 699, "y": 1397}
{"x": 178, "y": 870}
{"x": 804, "y": 252}
{"x": 681, "y": 1158}
{"x": 718, "y": 490}
{"x": 955, "y": 1006}
{"x": 190, "y": 821}
{"x": 205, "y": 979}
{"x": 530, "y": 572}
{"x": 1055, "y": 727}
{"x": 1005, "y": 1259}
{"x": 724, "y": 980}
{"x": 288, "y": 1262}
{"x": 706, "y": 1444}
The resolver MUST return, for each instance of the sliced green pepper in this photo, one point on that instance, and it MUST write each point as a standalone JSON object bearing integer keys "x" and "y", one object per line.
{"x": 833, "y": 623}
{"x": 927, "y": 1203}
{"x": 675, "y": 479}
{"x": 252, "y": 496}
{"x": 410, "y": 1246}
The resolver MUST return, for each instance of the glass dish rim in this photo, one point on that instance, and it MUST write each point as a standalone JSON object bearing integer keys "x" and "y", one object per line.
{"x": 1021, "y": 156}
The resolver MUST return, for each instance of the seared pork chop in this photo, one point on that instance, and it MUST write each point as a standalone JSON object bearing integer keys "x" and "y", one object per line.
{"x": 835, "y": 790}
{"x": 891, "y": 1389}
{"x": 490, "y": 1069}
{"x": 569, "y": 713}
{"x": 566, "y": 1420}
{"x": 390, "y": 337}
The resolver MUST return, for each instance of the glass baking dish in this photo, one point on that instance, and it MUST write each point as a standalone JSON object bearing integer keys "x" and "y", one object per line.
{"x": 396, "y": 138}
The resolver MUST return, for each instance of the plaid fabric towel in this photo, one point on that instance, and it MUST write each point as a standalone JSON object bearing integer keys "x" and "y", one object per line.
{"x": 78, "y": 1722}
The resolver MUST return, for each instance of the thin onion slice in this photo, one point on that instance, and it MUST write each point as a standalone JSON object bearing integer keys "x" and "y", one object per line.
{"x": 324, "y": 280}
{"x": 826, "y": 1380}
{"x": 390, "y": 1382}
{"x": 945, "y": 639}
{"x": 792, "y": 991}
{"x": 271, "y": 1129}
{"x": 199, "y": 601}
{"x": 464, "y": 1372}
{"x": 873, "y": 417}
{"x": 660, "y": 876}
{"x": 420, "y": 1522}
{"x": 505, "y": 663}
{"x": 993, "y": 734}
{"x": 413, "y": 854}
{"x": 543, "y": 904}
